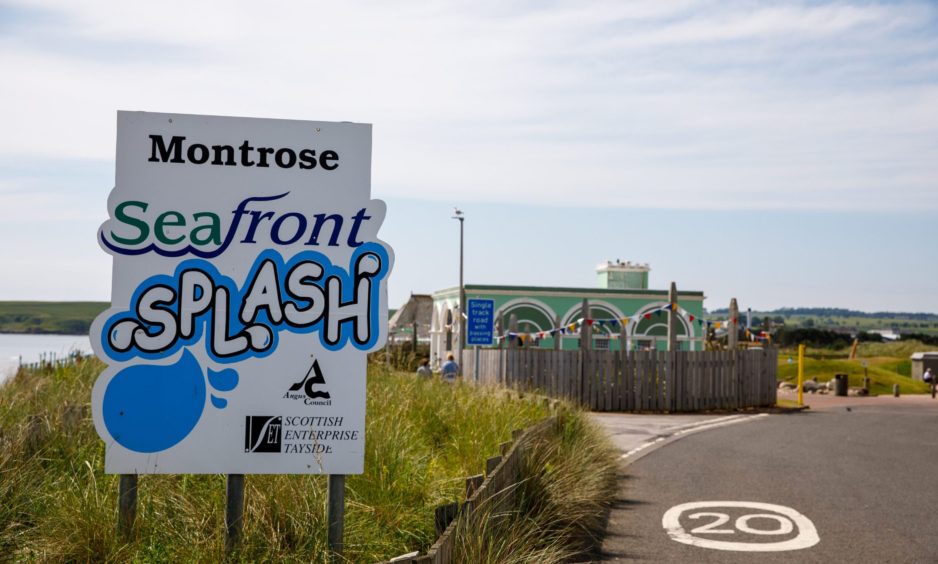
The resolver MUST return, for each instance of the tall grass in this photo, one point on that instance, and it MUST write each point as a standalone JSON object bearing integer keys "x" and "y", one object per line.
{"x": 569, "y": 479}
{"x": 422, "y": 439}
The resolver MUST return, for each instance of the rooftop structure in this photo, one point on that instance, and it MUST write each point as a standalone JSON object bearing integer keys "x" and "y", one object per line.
{"x": 620, "y": 275}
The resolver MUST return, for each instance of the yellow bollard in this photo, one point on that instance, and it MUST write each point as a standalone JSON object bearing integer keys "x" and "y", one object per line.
{"x": 801, "y": 375}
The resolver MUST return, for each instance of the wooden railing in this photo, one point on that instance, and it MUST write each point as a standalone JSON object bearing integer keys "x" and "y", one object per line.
{"x": 660, "y": 381}
{"x": 496, "y": 487}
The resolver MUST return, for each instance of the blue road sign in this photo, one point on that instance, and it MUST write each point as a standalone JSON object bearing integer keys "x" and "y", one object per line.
{"x": 480, "y": 326}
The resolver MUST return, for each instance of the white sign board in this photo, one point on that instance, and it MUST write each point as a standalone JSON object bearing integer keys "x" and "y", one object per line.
{"x": 248, "y": 285}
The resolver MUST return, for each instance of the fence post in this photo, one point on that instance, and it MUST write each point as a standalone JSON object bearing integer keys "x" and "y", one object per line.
{"x": 513, "y": 328}
{"x": 732, "y": 335}
{"x": 586, "y": 344}
{"x": 126, "y": 505}
{"x": 510, "y": 375}
{"x": 558, "y": 337}
{"x": 586, "y": 330}
{"x": 672, "y": 317}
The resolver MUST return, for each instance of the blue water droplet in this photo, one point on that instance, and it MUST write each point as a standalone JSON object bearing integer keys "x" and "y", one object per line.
{"x": 150, "y": 408}
{"x": 220, "y": 403}
{"x": 223, "y": 380}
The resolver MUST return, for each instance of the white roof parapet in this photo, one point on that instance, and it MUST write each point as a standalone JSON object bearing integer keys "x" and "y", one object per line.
{"x": 924, "y": 355}
{"x": 623, "y": 266}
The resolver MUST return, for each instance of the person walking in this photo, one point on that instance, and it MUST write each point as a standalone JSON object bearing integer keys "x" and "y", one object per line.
{"x": 424, "y": 369}
{"x": 450, "y": 369}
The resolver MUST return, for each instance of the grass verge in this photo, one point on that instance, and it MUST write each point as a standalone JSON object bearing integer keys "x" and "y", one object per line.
{"x": 422, "y": 439}
{"x": 569, "y": 482}
{"x": 880, "y": 370}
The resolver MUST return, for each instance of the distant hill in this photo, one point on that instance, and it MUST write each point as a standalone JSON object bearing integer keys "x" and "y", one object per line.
{"x": 66, "y": 318}
{"x": 840, "y": 312}
{"x": 841, "y": 320}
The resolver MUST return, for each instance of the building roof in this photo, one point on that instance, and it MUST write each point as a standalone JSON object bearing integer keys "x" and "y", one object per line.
{"x": 924, "y": 355}
{"x": 418, "y": 308}
{"x": 562, "y": 290}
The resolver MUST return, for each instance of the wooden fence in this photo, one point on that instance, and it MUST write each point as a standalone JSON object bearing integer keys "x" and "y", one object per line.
{"x": 662, "y": 381}
{"x": 52, "y": 361}
{"x": 495, "y": 490}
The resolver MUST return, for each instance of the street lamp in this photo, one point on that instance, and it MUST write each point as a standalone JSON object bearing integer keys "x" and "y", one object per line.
{"x": 458, "y": 215}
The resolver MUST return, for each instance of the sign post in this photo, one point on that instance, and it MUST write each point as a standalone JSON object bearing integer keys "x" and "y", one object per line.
{"x": 335, "y": 515}
{"x": 248, "y": 286}
{"x": 480, "y": 328}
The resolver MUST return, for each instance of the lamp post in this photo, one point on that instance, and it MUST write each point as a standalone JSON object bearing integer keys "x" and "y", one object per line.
{"x": 458, "y": 215}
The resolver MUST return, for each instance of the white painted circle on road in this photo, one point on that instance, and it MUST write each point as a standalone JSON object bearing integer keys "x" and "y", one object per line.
{"x": 787, "y": 521}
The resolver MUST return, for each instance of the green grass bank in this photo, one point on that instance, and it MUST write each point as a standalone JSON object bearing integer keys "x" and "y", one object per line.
{"x": 67, "y": 318}
{"x": 422, "y": 439}
{"x": 885, "y": 364}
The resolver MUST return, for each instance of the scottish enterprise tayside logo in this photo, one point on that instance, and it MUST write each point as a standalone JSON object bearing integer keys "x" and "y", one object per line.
{"x": 263, "y": 433}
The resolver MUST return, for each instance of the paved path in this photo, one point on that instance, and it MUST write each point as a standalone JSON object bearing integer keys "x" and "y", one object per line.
{"x": 637, "y": 435}
{"x": 828, "y": 401}
{"x": 852, "y": 467}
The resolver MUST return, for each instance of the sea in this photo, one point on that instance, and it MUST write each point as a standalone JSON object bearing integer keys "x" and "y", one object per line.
{"x": 16, "y": 348}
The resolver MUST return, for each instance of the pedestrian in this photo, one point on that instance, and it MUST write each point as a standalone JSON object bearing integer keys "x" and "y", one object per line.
{"x": 424, "y": 369}
{"x": 928, "y": 377}
{"x": 450, "y": 369}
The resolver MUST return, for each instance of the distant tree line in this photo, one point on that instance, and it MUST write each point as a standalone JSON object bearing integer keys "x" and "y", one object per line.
{"x": 788, "y": 337}
{"x": 822, "y": 338}
{"x": 840, "y": 312}
{"x": 927, "y": 339}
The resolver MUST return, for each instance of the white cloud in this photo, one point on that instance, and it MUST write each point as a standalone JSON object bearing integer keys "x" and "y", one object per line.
{"x": 690, "y": 104}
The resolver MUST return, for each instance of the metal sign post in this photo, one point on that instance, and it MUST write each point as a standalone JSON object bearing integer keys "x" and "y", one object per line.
{"x": 234, "y": 512}
{"x": 335, "y": 515}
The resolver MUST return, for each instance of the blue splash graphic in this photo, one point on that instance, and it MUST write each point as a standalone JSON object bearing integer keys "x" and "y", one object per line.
{"x": 224, "y": 380}
{"x": 152, "y": 408}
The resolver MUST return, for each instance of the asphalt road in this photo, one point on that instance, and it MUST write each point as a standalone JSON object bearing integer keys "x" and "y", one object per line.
{"x": 859, "y": 478}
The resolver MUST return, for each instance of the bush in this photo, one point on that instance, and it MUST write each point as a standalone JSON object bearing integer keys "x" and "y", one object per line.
{"x": 786, "y": 337}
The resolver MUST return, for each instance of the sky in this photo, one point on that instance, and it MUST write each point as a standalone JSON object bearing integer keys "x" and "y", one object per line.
{"x": 783, "y": 153}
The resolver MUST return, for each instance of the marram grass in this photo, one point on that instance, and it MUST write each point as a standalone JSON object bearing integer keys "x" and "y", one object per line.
{"x": 422, "y": 439}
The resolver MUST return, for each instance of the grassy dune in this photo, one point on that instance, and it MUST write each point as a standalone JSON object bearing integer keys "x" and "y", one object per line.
{"x": 422, "y": 439}
{"x": 68, "y": 318}
{"x": 887, "y": 364}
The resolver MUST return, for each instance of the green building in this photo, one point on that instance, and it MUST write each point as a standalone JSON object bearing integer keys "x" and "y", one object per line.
{"x": 537, "y": 316}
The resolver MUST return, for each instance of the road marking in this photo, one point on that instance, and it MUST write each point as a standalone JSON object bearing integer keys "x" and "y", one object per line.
{"x": 683, "y": 430}
{"x": 787, "y": 519}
